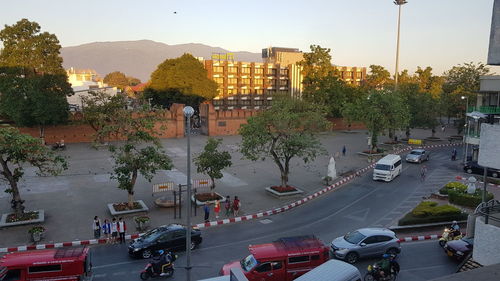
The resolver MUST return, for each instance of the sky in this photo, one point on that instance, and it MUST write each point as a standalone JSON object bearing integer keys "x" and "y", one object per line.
{"x": 436, "y": 33}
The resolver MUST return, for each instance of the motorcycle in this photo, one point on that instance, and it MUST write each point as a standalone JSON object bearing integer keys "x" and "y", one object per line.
{"x": 168, "y": 270}
{"x": 374, "y": 272}
{"x": 58, "y": 146}
{"x": 446, "y": 236}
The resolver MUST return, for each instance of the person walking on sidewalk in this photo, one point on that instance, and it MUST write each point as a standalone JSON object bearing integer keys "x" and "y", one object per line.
{"x": 206, "y": 209}
{"x": 114, "y": 231}
{"x": 122, "y": 227}
{"x": 344, "y": 150}
{"x": 236, "y": 206}
{"x": 217, "y": 208}
{"x": 96, "y": 226}
{"x": 106, "y": 229}
{"x": 227, "y": 206}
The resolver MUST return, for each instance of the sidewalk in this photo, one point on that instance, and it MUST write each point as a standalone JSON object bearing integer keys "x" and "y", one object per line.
{"x": 72, "y": 200}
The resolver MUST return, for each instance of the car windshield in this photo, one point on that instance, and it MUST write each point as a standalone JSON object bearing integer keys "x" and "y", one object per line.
{"x": 248, "y": 263}
{"x": 382, "y": 167}
{"x": 354, "y": 237}
{"x": 151, "y": 235}
{"x": 416, "y": 152}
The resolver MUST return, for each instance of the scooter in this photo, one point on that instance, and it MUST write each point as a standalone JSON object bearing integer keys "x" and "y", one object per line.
{"x": 168, "y": 270}
{"x": 445, "y": 237}
{"x": 58, "y": 146}
{"x": 374, "y": 272}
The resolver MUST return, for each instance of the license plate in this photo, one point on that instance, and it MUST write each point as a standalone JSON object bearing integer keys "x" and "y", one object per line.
{"x": 450, "y": 253}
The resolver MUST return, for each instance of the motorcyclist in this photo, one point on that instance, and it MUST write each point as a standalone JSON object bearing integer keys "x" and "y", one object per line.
{"x": 164, "y": 259}
{"x": 385, "y": 265}
{"x": 454, "y": 230}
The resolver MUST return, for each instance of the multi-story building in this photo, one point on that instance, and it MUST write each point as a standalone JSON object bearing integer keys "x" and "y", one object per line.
{"x": 82, "y": 81}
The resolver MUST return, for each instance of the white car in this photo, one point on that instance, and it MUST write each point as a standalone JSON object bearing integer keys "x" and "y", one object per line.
{"x": 418, "y": 156}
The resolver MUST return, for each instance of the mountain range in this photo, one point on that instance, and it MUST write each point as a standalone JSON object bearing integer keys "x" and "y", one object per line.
{"x": 137, "y": 58}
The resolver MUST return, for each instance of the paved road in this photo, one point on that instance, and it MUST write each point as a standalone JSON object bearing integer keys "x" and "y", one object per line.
{"x": 361, "y": 203}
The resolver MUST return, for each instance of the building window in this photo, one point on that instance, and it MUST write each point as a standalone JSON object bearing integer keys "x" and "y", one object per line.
{"x": 283, "y": 83}
{"x": 218, "y": 69}
{"x": 271, "y": 71}
{"x": 245, "y": 70}
{"x": 358, "y": 74}
{"x": 245, "y": 81}
{"x": 258, "y": 82}
{"x": 259, "y": 91}
{"x": 259, "y": 71}
{"x": 271, "y": 92}
{"x": 219, "y": 80}
{"x": 232, "y": 81}
{"x": 232, "y": 69}
{"x": 245, "y": 91}
{"x": 284, "y": 72}
{"x": 231, "y": 91}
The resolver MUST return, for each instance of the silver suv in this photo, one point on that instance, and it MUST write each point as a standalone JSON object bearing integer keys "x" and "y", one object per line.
{"x": 365, "y": 242}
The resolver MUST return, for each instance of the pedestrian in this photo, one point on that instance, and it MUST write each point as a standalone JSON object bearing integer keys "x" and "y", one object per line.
{"x": 454, "y": 154}
{"x": 206, "y": 209}
{"x": 96, "y": 226}
{"x": 423, "y": 172}
{"x": 344, "y": 150}
{"x": 443, "y": 128}
{"x": 227, "y": 206}
{"x": 236, "y": 206}
{"x": 114, "y": 231}
{"x": 122, "y": 227}
{"x": 217, "y": 208}
{"x": 106, "y": 229}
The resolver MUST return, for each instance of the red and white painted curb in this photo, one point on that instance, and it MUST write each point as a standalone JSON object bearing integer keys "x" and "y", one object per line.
{"x": 295, "y": 204}
{"x": 419, "y": 238}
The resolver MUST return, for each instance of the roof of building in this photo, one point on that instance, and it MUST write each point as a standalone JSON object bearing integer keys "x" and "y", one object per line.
{"x": 81, "y": 71}
{"x": 289, "y": 246}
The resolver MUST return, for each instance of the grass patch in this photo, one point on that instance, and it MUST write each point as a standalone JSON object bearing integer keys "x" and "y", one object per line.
{"x": 430, "y": 212}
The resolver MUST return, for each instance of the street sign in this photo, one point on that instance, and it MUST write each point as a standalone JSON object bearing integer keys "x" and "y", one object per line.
{"x": 202, "y": 183}
{"x": 160, "y": 187}
{"x": 414, "y": 141}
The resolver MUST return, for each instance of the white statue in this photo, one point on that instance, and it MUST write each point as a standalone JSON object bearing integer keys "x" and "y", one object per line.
{"x": 332, "y": 171}
{"x": 471, "y": 185}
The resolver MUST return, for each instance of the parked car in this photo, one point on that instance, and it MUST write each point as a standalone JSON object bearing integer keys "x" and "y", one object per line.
{"x": 472, "y": 167}
{"x": 417, "y": 156}
{"x": 365, "y": 242}
{"x": 459, "y": 249}
{"x": 282, "y": 260}
{"x": 170, "y": 237}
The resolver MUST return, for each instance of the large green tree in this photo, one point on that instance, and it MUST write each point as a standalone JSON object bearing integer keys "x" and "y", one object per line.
{"x": 185, "y": 75}
{"x": 316, "y": 66}
{"x": 141, "y": 152}
{"x": 25, "y": 46}
{"x": 165, "y": 98}
{"x": 212, "y": 161}
{"x": 378, "y": 78}
{"x": 287, "y": 130}
{"x": 120, "y": 80}
{"x": 16, "y": 151}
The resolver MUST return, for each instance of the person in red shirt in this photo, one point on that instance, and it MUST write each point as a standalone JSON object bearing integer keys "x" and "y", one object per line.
{"x": 236, "y": 206}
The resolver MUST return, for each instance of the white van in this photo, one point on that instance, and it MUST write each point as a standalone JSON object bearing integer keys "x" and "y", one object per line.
{"x": 332, "y": 270}
{"x": 388, "y": 168}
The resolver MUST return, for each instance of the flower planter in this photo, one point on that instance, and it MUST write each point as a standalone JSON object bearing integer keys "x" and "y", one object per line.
{"x": 201, "y": 203}
{"x": 40, "y": 219}
{"x": 283, "y": 194}
{"x": 142, "y": 209}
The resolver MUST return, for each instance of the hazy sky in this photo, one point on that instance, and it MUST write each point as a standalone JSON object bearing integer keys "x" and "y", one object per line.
{"x": 436, "y": 33}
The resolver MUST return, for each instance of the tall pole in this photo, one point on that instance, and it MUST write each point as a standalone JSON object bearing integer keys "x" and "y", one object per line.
{"x": 399, "y": 3}
{"x": 466, "y": 134}
{"x": 188, "y": 112}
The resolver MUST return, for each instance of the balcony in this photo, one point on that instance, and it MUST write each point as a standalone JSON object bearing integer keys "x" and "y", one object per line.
{"x": 484, "y": 109}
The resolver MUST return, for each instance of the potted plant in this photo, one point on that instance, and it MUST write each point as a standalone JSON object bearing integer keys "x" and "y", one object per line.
{"x": 142, "y": 222}
{"x": 36, "y": 233}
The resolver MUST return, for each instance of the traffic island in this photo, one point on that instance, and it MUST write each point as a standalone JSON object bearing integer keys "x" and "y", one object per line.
{"x": 117, "y": 209}
{"x": 207, "y": 197}
{"x": 279, "y": 191}
{"x": 37, "y": 216}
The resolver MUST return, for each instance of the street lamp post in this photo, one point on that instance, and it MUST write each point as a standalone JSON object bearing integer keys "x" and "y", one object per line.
{"x": 466, "y": 134}
{"x": 399, "y": 3}
{"x": 188, "y": 112}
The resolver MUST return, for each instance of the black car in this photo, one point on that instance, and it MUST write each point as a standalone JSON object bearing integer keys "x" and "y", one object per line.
{"x": 459, "y": 249}
{"x": 473, "y": 167}
{"x": 168, "y": 237}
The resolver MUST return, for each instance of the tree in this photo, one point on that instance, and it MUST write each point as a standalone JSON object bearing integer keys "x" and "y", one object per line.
{"x": 17, "y": 150}
{"x": 116, "y": 79}
{"x": 287, "y": 130}
{"x": 211, "y": 161}
{"x": 24, "y": 46}
{"x": 429, "y": 83}
{"x": 34, "y": 99}
{"x": 316, "y": 65}
{"x": 141, "y": 152}
{"x": 379, "y": 78}
{"x": 165, "y": 98}
{"x": 101, "y": 109}
{"x": 185, "y": 75}
{"x": 132, "y": 81}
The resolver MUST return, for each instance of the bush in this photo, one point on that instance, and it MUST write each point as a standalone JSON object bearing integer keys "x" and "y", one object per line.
{"x": 468, "y": 200}
{"x": 429, "y": 212}
{"x": 142, "y": 219}
{"x": 457, "y": 186}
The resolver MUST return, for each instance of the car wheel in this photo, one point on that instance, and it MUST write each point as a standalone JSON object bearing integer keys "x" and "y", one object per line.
{"x": 351, "y": 257}
{"x": 146, "y": 254}
{"x": 495, "y": 175}
{"x": 369, "y": 277}
{"x": 392, "y": 251}
{"x": 469, "y": 171}
{"x": 193, "y": 245}
{"x": 442, "y": 243}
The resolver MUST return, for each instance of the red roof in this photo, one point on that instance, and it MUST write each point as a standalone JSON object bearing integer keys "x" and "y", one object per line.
{"x": 40, "y": 257}
{"x": 138, "y": 87}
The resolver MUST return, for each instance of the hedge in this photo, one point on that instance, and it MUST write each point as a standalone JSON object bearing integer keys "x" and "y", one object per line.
{"x": 429, "y": 212}
{"x": 457, "y": 186}
{"x": 468, "y": 200}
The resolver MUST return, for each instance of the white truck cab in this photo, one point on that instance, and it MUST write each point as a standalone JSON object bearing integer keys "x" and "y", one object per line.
{"x": 388, "y": 168}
